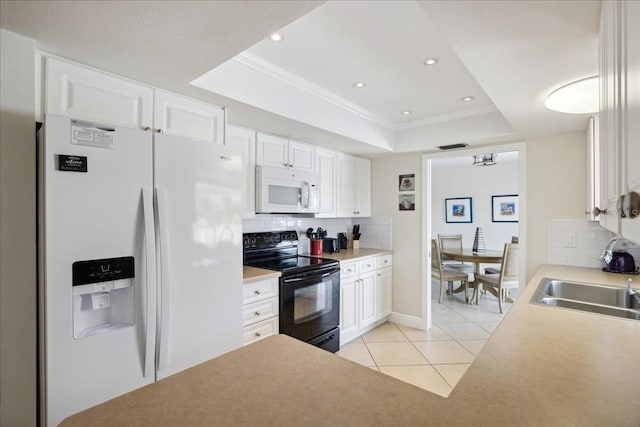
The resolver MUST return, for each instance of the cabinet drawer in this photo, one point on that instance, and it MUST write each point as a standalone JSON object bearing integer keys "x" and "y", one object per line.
{"x": 368, "y": 264}
{"x": 260, "y": 330}
{"x": 348, "y": 269}
{"x": 258, "y": 291}
{"x": 384, "y": 261}
{"x": 258, "y": 311}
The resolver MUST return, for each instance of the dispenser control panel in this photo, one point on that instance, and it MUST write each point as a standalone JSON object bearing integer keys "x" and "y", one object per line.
{"x": 103, "y": 270}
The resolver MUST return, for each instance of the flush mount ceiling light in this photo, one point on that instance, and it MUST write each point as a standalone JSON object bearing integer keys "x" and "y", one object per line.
{"x": 406, "y": 112}
{"x": 485, "y": 159}
{"x": 431, "y": 61}
{"x": 579, "y": 97}
{"x": 359, "y": 85}
{"x": 276, "y": 37}
{"x": 468, "y": 98}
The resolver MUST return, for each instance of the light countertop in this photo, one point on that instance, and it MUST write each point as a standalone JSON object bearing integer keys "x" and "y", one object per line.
{"x": 253, "y": 274}
{"x": 352, "y": 254}
{"x": 543, "y": 366}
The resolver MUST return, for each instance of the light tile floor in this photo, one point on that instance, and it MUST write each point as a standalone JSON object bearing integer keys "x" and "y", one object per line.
{"x": 434, "y": 360}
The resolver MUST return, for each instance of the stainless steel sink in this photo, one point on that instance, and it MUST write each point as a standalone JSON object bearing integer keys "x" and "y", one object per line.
{"x": 593, "y": 298}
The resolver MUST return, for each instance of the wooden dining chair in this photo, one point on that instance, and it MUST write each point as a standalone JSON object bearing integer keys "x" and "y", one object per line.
{"x": 494, "y": 270}
{"x": 453, "y": 242}
{"x": 503, "y": 281}
{"x": 444, "y": 274}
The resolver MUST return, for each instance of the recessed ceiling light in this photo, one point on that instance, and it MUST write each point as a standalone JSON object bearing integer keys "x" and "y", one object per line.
{"x": 579, "y": 97}
{"x": 406, "y": 112}
{"x": 359, "y": 85}
{"x": 468, "y": 98}
{"x": 431, "y": 61}
{"x": 276, "y": 37}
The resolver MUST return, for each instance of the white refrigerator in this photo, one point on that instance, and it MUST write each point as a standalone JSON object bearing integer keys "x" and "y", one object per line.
{"x": 140, "y": 259}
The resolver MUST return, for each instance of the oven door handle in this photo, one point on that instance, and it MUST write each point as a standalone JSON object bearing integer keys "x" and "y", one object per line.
{"x": 298, "y": 279}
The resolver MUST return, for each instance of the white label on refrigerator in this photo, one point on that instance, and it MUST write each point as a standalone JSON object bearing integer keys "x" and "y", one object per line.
{"x": 91, "y": 134}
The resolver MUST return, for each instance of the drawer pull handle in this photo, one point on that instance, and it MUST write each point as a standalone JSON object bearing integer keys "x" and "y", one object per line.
{"x": 257, "y": 313}
{"x": 256, "y": 292}
{"x": 258, "y": 334}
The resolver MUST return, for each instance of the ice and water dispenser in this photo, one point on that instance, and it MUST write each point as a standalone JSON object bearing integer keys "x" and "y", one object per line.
{"x": 103, "y": 295}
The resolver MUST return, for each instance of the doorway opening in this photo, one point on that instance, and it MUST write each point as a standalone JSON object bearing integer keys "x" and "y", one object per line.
{"x": 451, "y": 180}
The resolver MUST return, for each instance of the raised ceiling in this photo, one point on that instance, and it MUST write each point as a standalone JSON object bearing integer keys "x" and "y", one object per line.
{"x": 507, "y": 55}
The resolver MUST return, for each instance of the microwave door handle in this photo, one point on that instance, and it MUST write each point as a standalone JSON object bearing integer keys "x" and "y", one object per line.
{"x": 305, "y": 195}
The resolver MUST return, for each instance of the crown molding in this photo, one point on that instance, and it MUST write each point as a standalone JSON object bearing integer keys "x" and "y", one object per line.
{"x": 271, "y": 70}
{"x": 258, "y": 64}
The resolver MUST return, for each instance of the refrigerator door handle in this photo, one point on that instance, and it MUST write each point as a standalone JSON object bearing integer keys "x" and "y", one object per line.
{"x": 162, "y": 332}
{"x": 149, "y": 291}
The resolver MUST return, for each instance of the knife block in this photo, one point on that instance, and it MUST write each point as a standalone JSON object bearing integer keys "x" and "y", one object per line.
{"x": 355, "y": 244}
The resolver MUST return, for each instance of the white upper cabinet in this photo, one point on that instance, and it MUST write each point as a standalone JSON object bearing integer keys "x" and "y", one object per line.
{"x": 180, "y": 116}
{"x": 619, "y": 114}
{"x": 283, "y": 153}
{"x": 245, "y": 140}
{"x": 327, "y": 174}
{"x": 363, "y": 187}
{"x": 87, "y": 94}
{"x": 354, "y": 186}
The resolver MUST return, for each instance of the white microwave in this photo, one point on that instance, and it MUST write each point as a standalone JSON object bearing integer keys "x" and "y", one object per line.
{"x": 281, "y": 190}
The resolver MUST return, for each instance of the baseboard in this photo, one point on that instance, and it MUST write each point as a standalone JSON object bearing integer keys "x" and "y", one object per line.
{"x": 406, "y": 320}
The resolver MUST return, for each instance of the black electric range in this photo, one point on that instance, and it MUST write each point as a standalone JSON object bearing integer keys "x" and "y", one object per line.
{"x": 309, "y": 287}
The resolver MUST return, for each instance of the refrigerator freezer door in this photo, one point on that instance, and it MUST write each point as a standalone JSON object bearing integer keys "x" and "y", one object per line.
{"x": 198, "y": 200}
{"x": 93, "y": 208}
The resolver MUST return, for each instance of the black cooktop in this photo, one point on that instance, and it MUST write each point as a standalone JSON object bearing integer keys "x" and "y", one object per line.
{"x": 278, "y": 250}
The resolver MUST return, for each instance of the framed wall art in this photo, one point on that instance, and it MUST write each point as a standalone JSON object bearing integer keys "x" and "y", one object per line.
{"x": 407, "y": 202}
{"x": 458, "y": 210}
{"x": 505, "y": 208}
{"x": 407, "y": 182}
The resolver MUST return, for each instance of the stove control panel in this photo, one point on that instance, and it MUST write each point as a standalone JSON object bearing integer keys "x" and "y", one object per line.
{"x": 269, "y": 240}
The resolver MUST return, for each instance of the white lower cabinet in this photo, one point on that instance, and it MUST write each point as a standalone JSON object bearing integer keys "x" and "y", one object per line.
{"x": 260, "y": 310}
{"x": 365, "y": 295}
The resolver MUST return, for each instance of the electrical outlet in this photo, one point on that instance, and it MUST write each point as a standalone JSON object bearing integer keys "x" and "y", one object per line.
{"x": 570, "y": 240}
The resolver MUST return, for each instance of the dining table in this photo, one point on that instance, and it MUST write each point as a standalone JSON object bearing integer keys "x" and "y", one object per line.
{"x": 487, "y": 256}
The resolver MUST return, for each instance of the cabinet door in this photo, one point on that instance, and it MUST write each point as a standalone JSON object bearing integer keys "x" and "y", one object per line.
{"x": 301, "y": 156}
{"x": 245, "y": 140}
{"x": 180, "y": 116}
{"x": 272, "y": 151}
{"x": 362, "y": 187}
{"x": 348, "y": 306}
{"x": 609, "y": 129}
{"x": 368, "y": 301}
{"x": 327, "y": 174}
{"x": 345, "y": 185}
{"x": 384, "y": 280}
{"x": 86, "y": 94}
{"x": 630, "y": 50}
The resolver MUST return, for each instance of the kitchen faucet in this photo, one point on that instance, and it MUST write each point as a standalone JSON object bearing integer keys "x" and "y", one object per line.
{"x": 629, "y": 290}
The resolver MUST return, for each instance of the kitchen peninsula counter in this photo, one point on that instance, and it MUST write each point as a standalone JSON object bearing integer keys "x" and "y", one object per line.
{"x": 543, "y": 366}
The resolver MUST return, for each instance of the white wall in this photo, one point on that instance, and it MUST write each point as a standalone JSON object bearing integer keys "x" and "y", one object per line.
{"x": 406, "y": 228}
{"x": 480, "y": 183}
{"x": 556, "y": 189}
{"x": 18, "y": 232}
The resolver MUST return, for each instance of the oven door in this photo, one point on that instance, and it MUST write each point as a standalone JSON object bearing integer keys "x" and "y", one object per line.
{"x": 310, "y": 302}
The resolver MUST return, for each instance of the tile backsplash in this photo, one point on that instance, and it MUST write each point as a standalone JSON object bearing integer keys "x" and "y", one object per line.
{"x": 588, "y": 242}
{"x": 376, "y": 232}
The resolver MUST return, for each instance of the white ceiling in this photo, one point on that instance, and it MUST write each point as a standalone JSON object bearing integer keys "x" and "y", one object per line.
{"x": 508, "y": 55}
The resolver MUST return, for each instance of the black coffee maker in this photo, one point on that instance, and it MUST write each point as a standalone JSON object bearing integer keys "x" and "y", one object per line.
{"x": 617, "y": 258}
